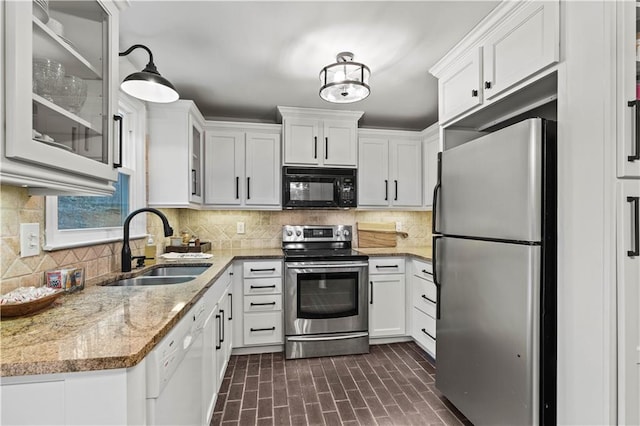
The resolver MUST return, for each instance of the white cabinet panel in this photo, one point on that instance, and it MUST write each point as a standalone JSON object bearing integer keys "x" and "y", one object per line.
{"x": 224, "y": 169}
{"x": 628, "y": 257}
{"x": 386, "y": 305}
{"x": 424, "y": 330}
{"x": 340, "y": 143}
{"x": 301, "y": 141}
{"x": 18, "y": 401}
{"x": 373, "y": 172}
{"x": 263, "y": 328}
{"x": 405, "y": 171}
{"x": 526, "y": 43}
{"x": 460, "y": 89}
{"x": 262, "y": 169}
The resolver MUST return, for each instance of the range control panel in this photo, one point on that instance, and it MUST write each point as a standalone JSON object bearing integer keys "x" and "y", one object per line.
{"x": 310, "y": 233}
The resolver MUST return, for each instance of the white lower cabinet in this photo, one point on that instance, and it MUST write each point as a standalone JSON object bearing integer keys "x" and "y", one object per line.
{"x": 261, "y": 303}
{"x": 386, "y": 297}
{"x": 424, "y": 300}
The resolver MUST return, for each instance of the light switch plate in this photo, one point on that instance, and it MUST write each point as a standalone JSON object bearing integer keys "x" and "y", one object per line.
{"x": 240, "y": 227}
{"x": 398, "y": 226}
{"x": 29, "y": 239}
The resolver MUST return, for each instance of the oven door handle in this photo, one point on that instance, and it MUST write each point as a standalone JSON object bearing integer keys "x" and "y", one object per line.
{"x": 326, "y": 338}
{"x": 326, "y": 265}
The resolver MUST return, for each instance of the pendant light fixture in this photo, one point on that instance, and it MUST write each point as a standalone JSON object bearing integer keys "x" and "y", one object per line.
{"x": 345, "y": 81}
{"x": 148, "y": 84}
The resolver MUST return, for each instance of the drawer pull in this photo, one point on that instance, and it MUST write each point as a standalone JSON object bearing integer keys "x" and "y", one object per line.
{"x": 386, "y": 266}
{"x": 427, "y": 333}
{"x": 263, "y": 270}
{"x": 263, "y": 304}
{"x": 424, "y": 296}
{"x": 263, "y": 286}
{"x": 263, "y": 329}
{"x": 424, "y": 271}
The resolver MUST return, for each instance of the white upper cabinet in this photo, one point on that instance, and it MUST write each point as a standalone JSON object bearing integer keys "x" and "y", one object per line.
{"x": 242, "y": 166}
{"x": 461, "y": 88}
{"x": 513, "y": 46}
{"x": 176, "y": 139}
{"x": 430, "y": 149}
{"x": 317, "y": 137}
{"x": 390, "y": 169}
{"x": 61, "y": 96}
{"x": 627, "y": 105}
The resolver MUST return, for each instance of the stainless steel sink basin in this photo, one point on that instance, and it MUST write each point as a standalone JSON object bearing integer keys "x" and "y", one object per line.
{"x": 151, "y": 280}
{"x": 177, "y": 270}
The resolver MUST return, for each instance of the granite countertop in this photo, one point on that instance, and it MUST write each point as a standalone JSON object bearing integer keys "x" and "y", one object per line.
{"x": 105, "y": 327}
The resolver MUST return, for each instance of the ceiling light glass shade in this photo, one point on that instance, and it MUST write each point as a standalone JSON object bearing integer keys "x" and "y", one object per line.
{"x": 345, "y": 81}
{"x": 148, "y": 84}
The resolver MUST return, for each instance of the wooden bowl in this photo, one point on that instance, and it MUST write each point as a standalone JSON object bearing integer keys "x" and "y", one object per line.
{"x": 25, "y": 308}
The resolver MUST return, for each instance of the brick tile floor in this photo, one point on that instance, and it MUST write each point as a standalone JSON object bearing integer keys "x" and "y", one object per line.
{"x": 392, "y": 385}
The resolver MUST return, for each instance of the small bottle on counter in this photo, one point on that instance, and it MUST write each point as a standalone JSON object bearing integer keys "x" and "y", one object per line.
{"x": 150, "y": 252}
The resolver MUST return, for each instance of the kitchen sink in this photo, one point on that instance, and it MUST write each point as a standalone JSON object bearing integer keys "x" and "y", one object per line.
{"x": 150, "y": 280}
{"x": 177, "y": 270}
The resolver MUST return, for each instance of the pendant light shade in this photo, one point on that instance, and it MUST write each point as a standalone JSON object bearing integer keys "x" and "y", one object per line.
{"x": 148, "y": 84}
{"x": 345, "y": 81}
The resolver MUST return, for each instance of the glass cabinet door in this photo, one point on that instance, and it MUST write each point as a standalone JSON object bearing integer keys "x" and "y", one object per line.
{"x": 196, "y": 160}
{"x": 62, "y": 85}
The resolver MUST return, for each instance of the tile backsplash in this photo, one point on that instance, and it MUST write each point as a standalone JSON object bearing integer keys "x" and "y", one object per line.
{"x": 262, "y": 230}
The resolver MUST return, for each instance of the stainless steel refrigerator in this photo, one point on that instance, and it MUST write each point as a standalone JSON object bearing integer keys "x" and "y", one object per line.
{"x": 494, "y": 260}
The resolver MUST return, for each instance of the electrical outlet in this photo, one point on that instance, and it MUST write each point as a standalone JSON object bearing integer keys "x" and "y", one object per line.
{"x": 398, "y": 226}
{"x": 240, "y": 227}
{"x": 29, "y": 239}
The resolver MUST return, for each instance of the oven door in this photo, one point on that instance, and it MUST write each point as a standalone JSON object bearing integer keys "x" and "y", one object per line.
{"x": 326, "y": 297}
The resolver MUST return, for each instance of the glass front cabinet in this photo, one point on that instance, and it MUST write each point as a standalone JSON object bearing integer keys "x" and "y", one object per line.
{"x": 61, "y": 68}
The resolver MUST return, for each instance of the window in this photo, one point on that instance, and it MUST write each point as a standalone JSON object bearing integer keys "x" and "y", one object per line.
{"x": 73, "y": 221}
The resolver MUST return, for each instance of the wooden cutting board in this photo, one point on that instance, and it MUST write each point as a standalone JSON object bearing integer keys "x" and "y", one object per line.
{"x": 377, "y": 234}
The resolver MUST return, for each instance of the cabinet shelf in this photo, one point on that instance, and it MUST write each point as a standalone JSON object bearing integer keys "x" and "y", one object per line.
{"x": 71, "y": 117}
{"x": 47, "y": 44}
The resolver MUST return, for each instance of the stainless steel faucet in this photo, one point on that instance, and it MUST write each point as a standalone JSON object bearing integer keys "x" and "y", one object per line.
{"x": 126, "y": 250}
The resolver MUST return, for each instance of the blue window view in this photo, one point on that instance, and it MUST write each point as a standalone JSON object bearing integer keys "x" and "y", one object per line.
{"x": 95, "y": 212}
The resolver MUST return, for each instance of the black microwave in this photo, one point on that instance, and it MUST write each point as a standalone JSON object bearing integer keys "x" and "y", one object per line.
{"x": 318, "y": 188}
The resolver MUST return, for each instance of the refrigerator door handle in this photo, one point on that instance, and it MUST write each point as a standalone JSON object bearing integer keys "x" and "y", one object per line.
{"x": 436, "y": 191}
{"x": 636, "y": 222}
{"x": 435, "y": 274}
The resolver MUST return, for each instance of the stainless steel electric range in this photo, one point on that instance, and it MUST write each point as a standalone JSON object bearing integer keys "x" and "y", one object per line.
{"x": 325, "y": 300}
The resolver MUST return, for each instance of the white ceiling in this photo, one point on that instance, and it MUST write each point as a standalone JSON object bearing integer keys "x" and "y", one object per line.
{"x": 239, "y": 60}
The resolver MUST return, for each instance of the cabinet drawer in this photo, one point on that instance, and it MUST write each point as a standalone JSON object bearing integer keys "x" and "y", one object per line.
{"x": 262, "y": 286}
{"x": 270, "y": 302}
{"x": 423, "y": 324}
{"x": 263, "y": 328}
{"x": 422, "y": 269}
{"x": 262, "y": 269}
{"x": 386, "y": 265}
{"x": 424, "y": 296}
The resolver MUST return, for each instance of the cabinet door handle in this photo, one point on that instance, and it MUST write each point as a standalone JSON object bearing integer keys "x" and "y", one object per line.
{"x": 248, "y": 188}
{"x": 222, "y": 321}
{"x": 194, "y": 181}
{"x": 230, "y": 306}
{"x": 386, "y": 190}
{"x": 262, "y": 304}
{"x": 371, "y": 292}
{"x": 237, "y": 187}
{"x": 636, "y": 156}
{"x": 396, "y": 197}
{"x": 474, "y": 93}
{"x": 424, "y": 296}
{"x": 263, "y": 286}
{"x": 326, "y": 148}
{"x": 219, "y": 344}
{"x": 487, "y": 85}
{"x": 427, "y": 333}
{"x": 636, "y": 225}
{"x": 315, "y": 147}
{"x": 386, "y": 266}
{"x": 263, "y": 329}
{"x": 118, "y": 164}
{"x": 424, "y": 271}
{"x": 262, "y": 269}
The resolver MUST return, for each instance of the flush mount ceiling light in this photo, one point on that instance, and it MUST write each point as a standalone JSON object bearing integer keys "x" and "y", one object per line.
{"x": 148, "y": 84}
{"x": 345, "y": 81}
